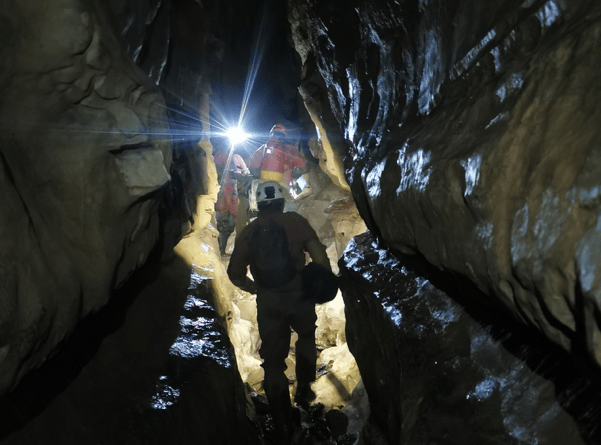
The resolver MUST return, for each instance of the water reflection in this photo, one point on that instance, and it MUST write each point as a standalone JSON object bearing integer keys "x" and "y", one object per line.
{"x": 472, "y": 173}
{"x": 513, "y": 387}
{"x": 165, "y": 396}
{"x": 548, "y": 14}
{"x": 373, "y": 180}
{"x": 469, "y": 59}
{"x": 201, "y": 337}
{"x": 429, "y": 85}
{"x": 483, "y": 390}
{"x": 498, "y": 118}
{"x": 415, "y": 173}
{"x": 512, "y": 86}
{"x": 355, "y": 100}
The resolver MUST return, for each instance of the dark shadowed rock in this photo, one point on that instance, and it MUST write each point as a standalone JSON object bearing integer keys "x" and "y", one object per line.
{"x": 439, "y": 372}
{"x": 89, "y": 177}
{"x": 337, "y": 423}
{"x": 155, "y": 366}
{"x": 81, "y": 174}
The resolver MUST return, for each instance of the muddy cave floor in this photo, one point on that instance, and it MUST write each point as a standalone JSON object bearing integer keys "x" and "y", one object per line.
{"x": 320, "y": 424}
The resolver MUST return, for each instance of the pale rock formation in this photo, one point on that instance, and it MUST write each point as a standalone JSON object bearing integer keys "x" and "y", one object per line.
{"x": 334, "y": 389}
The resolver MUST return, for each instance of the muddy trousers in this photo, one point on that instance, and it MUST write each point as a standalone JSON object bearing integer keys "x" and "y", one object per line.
{"x": 276, "y": 315}
{"x": 280, "y": 408}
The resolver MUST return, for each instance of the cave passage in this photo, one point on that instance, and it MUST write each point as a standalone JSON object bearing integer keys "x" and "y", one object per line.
{"x": 341, "y": 405}
{"x": 337, "y": 375}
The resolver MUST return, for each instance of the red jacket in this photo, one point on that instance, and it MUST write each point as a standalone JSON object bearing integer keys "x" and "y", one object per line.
{"x": 227, "y": 198}
{"x": 237, "y": 164}
{"x": 279, "y": 158}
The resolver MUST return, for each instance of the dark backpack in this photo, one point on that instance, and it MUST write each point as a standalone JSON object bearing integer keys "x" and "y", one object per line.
{"x": 271, "y": 262}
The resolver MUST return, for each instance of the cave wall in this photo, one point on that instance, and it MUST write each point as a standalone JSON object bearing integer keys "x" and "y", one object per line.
{"x": 79, "y": 174}
{"x": 154, "y": 366}
{"x": 92, "y": 178}
{"x": 469, "y": 136}
{"x": 454, "y": 373}
{"x": 466, "y": 132}
{"x": 105, "y": 165}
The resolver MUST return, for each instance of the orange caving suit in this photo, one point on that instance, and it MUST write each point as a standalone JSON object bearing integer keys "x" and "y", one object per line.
{"x": 276, "y": 161}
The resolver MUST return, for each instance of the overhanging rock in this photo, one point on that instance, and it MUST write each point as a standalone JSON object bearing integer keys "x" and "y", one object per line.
{"x": 474, "y": 141}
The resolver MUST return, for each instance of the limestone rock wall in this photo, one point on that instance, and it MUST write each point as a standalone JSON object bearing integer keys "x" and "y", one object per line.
{"x": 454, "y": 374}
{"x": 89, "y": 177}
{"x": 471, "y": 138}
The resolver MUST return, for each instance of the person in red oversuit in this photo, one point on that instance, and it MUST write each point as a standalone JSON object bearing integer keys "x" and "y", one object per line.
{"x": 276, "y": 160}
{"x": 227, "y": 205}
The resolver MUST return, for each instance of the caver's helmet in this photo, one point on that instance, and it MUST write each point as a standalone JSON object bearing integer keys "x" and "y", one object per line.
{"x": 269, "y": 191}
{"x": 278, "y": 131}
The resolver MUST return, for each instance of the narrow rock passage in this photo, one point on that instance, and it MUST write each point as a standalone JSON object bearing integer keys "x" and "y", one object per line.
{"x": 340, "y": 407}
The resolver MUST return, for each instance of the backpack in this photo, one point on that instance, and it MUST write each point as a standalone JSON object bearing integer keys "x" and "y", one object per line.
{"x": 271, "y": 262}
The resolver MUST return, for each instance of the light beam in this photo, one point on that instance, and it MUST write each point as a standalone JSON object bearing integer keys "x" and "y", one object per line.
{"x": 236, "y": 135}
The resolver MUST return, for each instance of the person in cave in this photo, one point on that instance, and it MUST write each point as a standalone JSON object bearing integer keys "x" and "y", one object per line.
{"x": 281, "y": 305}
{"x": 225, "y": 214}
{"x": 231, "y": 179}
{"x": 278, "y": 160}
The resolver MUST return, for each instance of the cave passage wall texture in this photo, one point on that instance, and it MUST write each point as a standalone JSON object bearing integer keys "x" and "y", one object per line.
{"x": 86, "y": 160}
{"x": 469, "y": 133}
{"x": 472, "y": 139}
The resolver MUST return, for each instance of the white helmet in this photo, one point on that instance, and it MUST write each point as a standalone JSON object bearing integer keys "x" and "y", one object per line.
{"x": 269, "y": 191}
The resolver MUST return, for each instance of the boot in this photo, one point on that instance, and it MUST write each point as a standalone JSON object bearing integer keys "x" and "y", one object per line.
{"x": 281, "y": 413}
{"x": 304, "y": 395}
{"x": 278, "y": 397}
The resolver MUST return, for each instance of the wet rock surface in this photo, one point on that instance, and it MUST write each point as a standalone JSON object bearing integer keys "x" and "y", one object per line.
{"x": 471, "y": 139}
{"x": 89, "y": 178}
{"x": 455, "y": 373}
{"x": 313, "y": 426}
{"x": 155, "y": 366}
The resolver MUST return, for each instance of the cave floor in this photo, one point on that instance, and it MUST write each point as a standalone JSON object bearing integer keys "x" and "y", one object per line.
{"x": 341, "y": 399}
